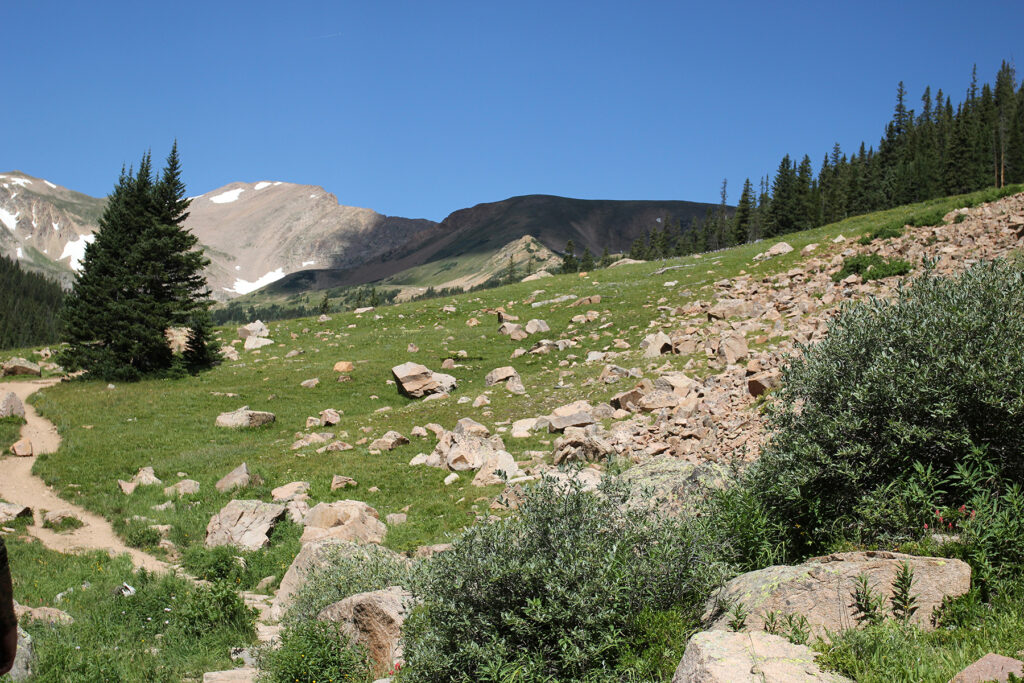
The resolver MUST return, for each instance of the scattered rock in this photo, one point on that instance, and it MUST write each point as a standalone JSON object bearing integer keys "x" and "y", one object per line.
{"x": 290, "y": 491}
{"x": 451, "y": 479}
{"x": 673, "y": 485}
{"x": 10, "y": 511}
{"x": 344, "y": 366}
{"x": 390, "y": 441}
{"x": 253, "y": 329}
{"x": 340, "y": 482}
{"x": 24, "y": 659}
{"x": 253, "y": 343}
{"x": 536, "y": 326}
{"x": 583, "y": 444}
{"x": 725, "y": 657}
{"x": 468, "y": 425}
{"x": 656, "y": 344}
{"x": 243, "y": 523}
{"x": 240, "y": 477}
{"x": 243, "y": 417}
{"x": 185, "y": 487}
{"x": 246, "y": 674}
{"x": 22, "y": 448}
{"x": 496, "y": 464}
{"x": 309, "y": 383}
{"x": 416, "y": 381}
{"x": 396, "y": 518}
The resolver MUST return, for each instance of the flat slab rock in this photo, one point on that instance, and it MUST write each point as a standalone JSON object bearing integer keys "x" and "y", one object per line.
{"x": 821, "y": 589}
{"x": 244, "y": 523}
{"x": 347, "y": 520}
{"x": 374, "y": 620}
{"x": 11, "y": 405}
{"x": 243, "y": 417}
{"x": 991, "y": 667}
{"x": 726, "y": 657}
{"x": 244, "y": 675}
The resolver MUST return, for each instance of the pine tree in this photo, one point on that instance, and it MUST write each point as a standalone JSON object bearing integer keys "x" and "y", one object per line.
{"x": 586, "y": 260}
{"x": 606, "y": 259}
{"x": 569, "y": 262}
{"x": 742, "y": 219}
{"x": 139, "y": 277}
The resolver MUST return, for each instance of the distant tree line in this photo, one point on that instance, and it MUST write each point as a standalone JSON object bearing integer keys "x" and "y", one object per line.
{"x": 936, "y": 151}
{"x": 29, "y": 307}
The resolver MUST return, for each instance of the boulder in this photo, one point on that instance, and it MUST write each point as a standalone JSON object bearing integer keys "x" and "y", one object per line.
{"x": 290, "y": 491}
{"x": 673, "y": 485}
{"x": 246, "y": 674}
{"x": 733, "y": 308}
{"x": 239, "y": 478}
{"x": 991, "y": 667}
{"x": 523, "y": 429}
{"x": 229, "y": 352}
{"x": 468, "y": 425}
{"x": 11, "y": 405}
{"x": 22, "y": 448}
{"x": 514, "y": 331}
{"x": 389, "y": 442}
{"x": 185, "y": 487}
{"x": 56, "y": 518}
{"x": 583, "y": 444}
{"x": 11, "y": 511}
{"x": 344, "y": 366}
{"x": 329, "y": 417}
{"x": 24, "y": 658}
{"x": 244, "y": 523}
{"x": 725, "y": 657}
{"x": 339, "y": 482}
{"x": 253, "y": 329}
{"x": 495, "y": 464}
{"x": 312, "y": 556}
{"x": 19, "y": 366}
{"x": 347, "y": 520}
{"x": 309, "y": 383}
{"x": 48, "y": 615}
{"x": 657, "y": 399}
{"x": 253, "y": 343}
{"x": 559, "y": 423}
{"x": 243, "y": 417}
{"x": 763, "y": 382}
{"x": 416, "y": 381}
{"x": 461, "y": 452}
{"x": 656, "y": 344}
{"x": 374, "y": 620}
{"x": 733, "y": 348}
{"x": 502, "y": 374}
{"x": 779, "y": 249}
{"x": 146, "y": 477}
{"x": 821, "y": 589}
{"x": 536, "y": 325}
{"x": 623, "y": 400}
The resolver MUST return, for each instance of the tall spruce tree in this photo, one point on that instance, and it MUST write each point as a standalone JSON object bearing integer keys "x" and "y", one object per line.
{"x": 140, "y": 276}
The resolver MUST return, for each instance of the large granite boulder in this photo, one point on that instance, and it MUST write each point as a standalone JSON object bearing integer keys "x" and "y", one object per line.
{"x": 821, "y": 589}
{"x": 19, "y": 366}
{"x": 724, "y": 657}
{"x": 673, "y": 485}
{"x": 416, "y": 381}
{"x": 244, "y": 523}
{"x": 374, "y": 620}
{"x": 238, "y": 478}
{"x": 23, "y": 659}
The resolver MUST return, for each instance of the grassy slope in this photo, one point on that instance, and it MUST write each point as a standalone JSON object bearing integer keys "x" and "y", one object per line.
{"x": 110, "y": 433}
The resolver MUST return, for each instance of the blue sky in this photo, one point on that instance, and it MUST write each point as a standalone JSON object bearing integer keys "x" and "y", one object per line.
{"x": 421, "y": 108}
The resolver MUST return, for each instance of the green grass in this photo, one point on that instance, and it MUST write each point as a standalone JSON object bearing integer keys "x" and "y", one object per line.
{"x": 164, "y": 632}
{"x": 63, "y": 524}
{"x": 10, "y": 429}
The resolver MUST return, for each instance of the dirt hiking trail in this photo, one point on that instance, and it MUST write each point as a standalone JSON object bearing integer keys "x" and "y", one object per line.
{"x": 18, "y": 485}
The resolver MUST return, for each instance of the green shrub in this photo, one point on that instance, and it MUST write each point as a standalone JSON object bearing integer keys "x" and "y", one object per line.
{"x": 885, "y": 232}
{"x": 871, "y": 267}
{"x": 217, "y": 604}
{"x": 346, "y": 571}
{"x": 68, "y": 523}
{"x": 138, "y": 534}
{"x": 314, "y": 651}
{"x": 563, "y": 590}
{"x": 879, "y": 415}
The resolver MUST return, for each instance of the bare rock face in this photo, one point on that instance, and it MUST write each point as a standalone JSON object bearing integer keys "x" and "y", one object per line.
{"x": 244, "y": 523}
{"x": 19, "y": 366}
{"x": 11, "y": 405}
{"x": 374, "y": 620}
{"x": 239, "y": 478}
{"x": 723, "y": 657}
{"x": 461, "y": 452}
{"x": 416, "y": 381}
{"x": 656, "y": 344}
{"x": 583, "y": 444}
{"x": 24, "y": 658}
{"x": 991, "y": 667}
{"x": 347, "y": 520}
{"x": 821, "y": 589}
{"x": 243, "y": 417}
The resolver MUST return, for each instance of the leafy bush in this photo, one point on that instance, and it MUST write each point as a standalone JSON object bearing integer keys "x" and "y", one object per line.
{"x": 564, "y": 590}
{"x": 871, "y": 267}
{"x": 314, "y": 651}
{"x": 883, "y": 233}
{"x": 137, "y": 534}
{"x": 879, "y": 415}
{"x": 346, "y": 571}
{"x": 245, "y": 568}
{"x": 217, "y": 604}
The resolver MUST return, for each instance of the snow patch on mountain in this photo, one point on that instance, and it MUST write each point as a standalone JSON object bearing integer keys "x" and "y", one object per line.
{"x": 10, "y": 220}
{"x": 227, "y": 197}
{"x": 23, "y": 182}
{"x": 244, "y": 286}
{"x": 262, "y": 184}
{"x": 75, "y": 249}
{"x": 52, "y": 186}
{"x": 19, "y": 252}
{"x": 308, "y": 263}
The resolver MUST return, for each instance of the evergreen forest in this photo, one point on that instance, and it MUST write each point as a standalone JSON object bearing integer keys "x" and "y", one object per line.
{"x": 29, "y": 307}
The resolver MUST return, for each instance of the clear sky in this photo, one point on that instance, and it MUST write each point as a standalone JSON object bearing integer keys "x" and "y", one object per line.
{"x": 420, "y": 108}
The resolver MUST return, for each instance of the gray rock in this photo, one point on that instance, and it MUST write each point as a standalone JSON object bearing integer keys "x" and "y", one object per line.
{"x": 239, "y": 477}
{"x": 674, "y": 486}
{"x": 244, "y": 523}
{"x": 374, "y": 620}
{"x": 724, "y": 657}
{"x": 24, "y": 659}
{"x": 11, "y": 405}
{"x": 243, "y": 418}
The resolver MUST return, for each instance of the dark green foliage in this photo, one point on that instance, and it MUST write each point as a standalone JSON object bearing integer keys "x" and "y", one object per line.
{"x": 139, "y": 277}
{"x": 569, "y": 262}
{"x": 871, "y": 267}
{"x": 883, "y": 233}
{"x": 586, "y": 260}
{"x": 314, "y": 651}
{"x": 559, "y": 591}
{"x": 878, "y": 422}
{"x": 28, "y": 307}
{"x": 904, "y": 602}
